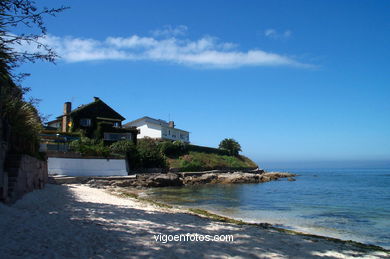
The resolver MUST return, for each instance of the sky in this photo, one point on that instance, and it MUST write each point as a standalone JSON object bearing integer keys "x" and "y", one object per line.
{"x": 291, "y": 81}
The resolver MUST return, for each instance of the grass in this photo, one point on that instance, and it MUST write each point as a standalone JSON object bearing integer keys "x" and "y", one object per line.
{"x": 195, "y": 161}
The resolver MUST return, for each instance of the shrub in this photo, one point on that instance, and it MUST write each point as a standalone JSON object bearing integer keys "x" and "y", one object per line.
{"x": 232, "y": 146}
{"x": 90, "y": 147}
{"x": 149, "y": 154}
{"x": 122, "y": 147}
{"x": 127, "y": 148}
{"x": 173, "y": 149}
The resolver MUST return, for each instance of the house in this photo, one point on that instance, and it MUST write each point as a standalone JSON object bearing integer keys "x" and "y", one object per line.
{"x": 158, "y": 129}
{"x": 95, "y": 120}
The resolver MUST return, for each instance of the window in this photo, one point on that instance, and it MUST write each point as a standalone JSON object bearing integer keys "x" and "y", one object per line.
{"x": 117, "y": 124}
{"x": 116, "y": 136}
{"x": 85, "y": 122}
{"x": 164, "y": 131}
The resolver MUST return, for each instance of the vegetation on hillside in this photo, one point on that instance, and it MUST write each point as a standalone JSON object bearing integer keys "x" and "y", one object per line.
{"x": 151, "y": 153}
{"x": 198, "y": 161}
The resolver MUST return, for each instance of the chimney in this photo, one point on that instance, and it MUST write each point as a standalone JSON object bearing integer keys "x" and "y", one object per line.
{"x": 66, "y": 118}
{"x": 67, "y": 108}
{"x": 171, "y": 124}
{"x": 95, "y": 99}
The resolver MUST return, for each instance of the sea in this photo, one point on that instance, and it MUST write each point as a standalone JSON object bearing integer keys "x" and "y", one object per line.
{"x": 349, "y": 204}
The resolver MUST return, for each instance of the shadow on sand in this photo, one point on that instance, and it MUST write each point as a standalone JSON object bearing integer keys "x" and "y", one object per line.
{"x": 53, "y": 223}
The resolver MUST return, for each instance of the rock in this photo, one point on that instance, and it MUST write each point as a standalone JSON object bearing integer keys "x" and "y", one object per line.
{"x": 124, "y": 183}
{"x": 238, "y": 177}
{"x": 291, "y": 179}
{"x": 257, "y": 171}
{"x": 194, "y": 178}
{"x": 201, "y": 179}
{"x": 158, "y": 180}
{"x": 99, "y": 183}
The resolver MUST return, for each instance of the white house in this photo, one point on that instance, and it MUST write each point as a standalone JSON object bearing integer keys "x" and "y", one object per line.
{"x": 158, "y": 129}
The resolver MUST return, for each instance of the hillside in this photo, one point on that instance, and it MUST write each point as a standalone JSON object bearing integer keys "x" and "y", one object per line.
{"x": 197, "y": 161}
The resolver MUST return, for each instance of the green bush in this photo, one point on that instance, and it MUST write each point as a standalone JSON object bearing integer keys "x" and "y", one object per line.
{"x": 129, "y": 149}
{"x": 20, "y": 117}
{"x": 90, "y": 147}
{"x": 173, "y": 149}
{"x": 122, "y": 147}
{"x": 150, "y": 155}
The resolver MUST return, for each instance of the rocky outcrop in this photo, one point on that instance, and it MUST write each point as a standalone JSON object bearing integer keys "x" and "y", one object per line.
{"x": 234, "y": 177}
{"x": 159, "y": 180}
{"x": 195, "y": 178}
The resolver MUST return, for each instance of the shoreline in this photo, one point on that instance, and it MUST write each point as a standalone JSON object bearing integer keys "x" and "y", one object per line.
{"x": 223, "y": 218}
{"x": 78, "y": 221}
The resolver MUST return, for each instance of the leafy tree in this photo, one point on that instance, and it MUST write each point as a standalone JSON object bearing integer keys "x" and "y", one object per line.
{"x": 231, "y": 145}
{"x": 18, "y": 115}
{"x": 24, "y": 14}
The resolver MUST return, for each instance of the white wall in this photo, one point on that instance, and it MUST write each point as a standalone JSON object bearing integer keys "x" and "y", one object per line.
{"x": 86, "y": 167}
{"x": 149, "y": 130}
{"x": 152, "y": 130}
{"x": 174, "y": 134}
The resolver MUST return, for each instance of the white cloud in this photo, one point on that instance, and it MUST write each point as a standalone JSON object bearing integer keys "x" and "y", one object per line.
{"x": 206, "y": 52}
{"x": 270, "y": 32}
{"x": 274, "y": 34}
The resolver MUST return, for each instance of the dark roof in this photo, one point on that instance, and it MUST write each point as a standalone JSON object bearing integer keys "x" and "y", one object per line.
{"x": 56, "y": 120}
{"x": 98, "y": 107}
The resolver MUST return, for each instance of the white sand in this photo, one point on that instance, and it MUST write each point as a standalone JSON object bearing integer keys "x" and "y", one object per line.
{"x": 76, "y": 221}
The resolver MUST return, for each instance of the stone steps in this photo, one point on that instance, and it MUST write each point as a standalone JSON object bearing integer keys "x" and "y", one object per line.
{"x": 11, "y": 165}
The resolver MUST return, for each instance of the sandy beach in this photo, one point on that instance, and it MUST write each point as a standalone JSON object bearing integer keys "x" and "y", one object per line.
{"x": 77, "y": 221}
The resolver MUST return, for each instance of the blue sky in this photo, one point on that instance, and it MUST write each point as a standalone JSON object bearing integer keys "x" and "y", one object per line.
{"x": 290, "y": 80}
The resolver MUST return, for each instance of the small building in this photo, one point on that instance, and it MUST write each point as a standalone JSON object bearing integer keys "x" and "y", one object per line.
{"x": 95, "y": 120}
{"x": 158, "y": 129}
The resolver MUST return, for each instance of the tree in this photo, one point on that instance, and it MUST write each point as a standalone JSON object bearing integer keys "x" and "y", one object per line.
{"x": 19, "y": 117}
{"x": 24, "y": 14}
{"x": 231, "y": 145}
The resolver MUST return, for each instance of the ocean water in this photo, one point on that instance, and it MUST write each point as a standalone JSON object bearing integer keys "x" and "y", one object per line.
{"x": 346, "y": 204}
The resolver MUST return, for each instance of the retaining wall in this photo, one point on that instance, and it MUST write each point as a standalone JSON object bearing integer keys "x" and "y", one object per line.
{"x": 32, "y": 174}
{"x": 87, "y": 166}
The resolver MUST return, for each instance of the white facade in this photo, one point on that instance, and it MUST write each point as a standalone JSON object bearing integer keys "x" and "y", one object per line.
{"x": 158, "y": 129}
{"x": 86, "y": 167}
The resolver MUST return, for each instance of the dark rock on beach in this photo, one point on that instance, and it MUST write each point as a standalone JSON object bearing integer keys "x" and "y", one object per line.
{"x": 194, "y": 178}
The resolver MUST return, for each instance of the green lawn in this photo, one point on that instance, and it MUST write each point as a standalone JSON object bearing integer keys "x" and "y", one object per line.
{"x": 196, "y": 161}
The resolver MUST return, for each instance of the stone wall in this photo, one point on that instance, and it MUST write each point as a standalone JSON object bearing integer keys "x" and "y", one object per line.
{"x": 32, "y": 174}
